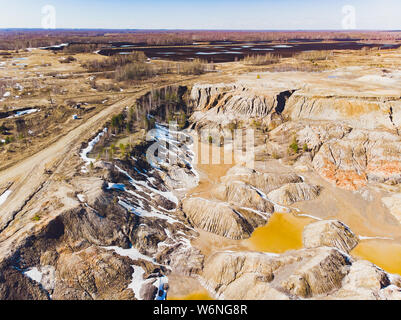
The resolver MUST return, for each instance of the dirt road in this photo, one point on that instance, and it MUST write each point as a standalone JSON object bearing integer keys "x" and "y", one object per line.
{"x": 29, "y": 175}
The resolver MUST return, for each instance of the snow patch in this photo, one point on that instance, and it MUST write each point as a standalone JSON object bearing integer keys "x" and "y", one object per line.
{"x": 138, "y": 184}
{"x": 160, "y": 285}
{"x": 116, "y": 186}
{"x": 34, "y": 274}
{"x": 91, "y": 145}
{"x": 137, "y": 281}
{"x": 24, "y": 112}
{"x": 131, "y": 253}
{"x": 374, "y": 238}
{"x": 282, "y": 46}
{"x": 309, "y": 216}
{"x": 4, "y": 196}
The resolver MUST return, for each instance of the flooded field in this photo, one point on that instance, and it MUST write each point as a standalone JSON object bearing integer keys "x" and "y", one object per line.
{"x": 233, "y": 51}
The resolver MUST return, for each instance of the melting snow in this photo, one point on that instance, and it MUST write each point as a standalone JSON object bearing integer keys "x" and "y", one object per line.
{"x": 4, "y": 196}
{"x": 141, "y": 212}
{"x": 137, "y": 281}
{"x": 373, "y": 238}
{"x": 116, "y": 186}
{"x": 55, "y": 46}
{"x": 19, "y": 87}
{"x": 34, "y": 274}
{"x": 24, "y": 112}
{"x": 131, "y": 253}
{"x": 161, "y": 293}
{"x": 376, "y": 79}
{"x": 261, "y": 49}
{"x": 309, "y": 216}
{"x": 137, "y": 277}
{"x": 140, "y": 184}
{"x": 89, "y": 148}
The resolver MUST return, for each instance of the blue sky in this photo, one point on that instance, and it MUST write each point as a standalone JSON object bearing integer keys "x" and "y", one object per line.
{"x": 206, "y": 14}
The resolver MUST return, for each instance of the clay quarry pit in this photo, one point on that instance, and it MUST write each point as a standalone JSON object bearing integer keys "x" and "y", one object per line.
{"x": 85, "y": 216}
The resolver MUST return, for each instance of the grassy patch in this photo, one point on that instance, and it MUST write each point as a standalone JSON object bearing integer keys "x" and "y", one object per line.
{"x": 36, "y": 218}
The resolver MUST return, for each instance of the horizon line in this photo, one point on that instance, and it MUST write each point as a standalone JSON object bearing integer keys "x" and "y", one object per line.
{"x": 179, "y": 29}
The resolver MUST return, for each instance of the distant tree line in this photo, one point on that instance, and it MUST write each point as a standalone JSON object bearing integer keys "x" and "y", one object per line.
{"x": 113, "y": 62}
{"x": 91, "y": 40}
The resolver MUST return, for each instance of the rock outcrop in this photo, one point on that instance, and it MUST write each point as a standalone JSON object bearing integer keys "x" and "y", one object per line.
{"x": 243, "y": 195}
{"x": 330, "y": 233}
{"x": 323, "y": 270}
{"x": 224, "y": 103}
{"x": 303, "y": 273}
{"x": 368, "y": 282}
{"x": 263, "y": 181}
{"x": 360, "y": 111}
{"x": 354, "y": 139}
{"x": 393, "y": 203}
{"x": 294, "y": 192}
{"x": 350, "y": 139}
{"x": 90, "y": 273}
{"x": 111, "y": 233}
{"x": 221, "y": 218}
{"x": 360, "y": 157}
{"x": 239, "y": 203}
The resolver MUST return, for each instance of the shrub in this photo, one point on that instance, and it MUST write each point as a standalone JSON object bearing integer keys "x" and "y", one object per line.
{"x": 69, "y": 59}
{"x": 315, "y": 55}
{"x": 80, "y": 48}
{"x": 294, "y": 146}
{"x": 275, "y": 155}
{"x": 303, "y": 67}
{"x": 3, "y": 129}
{"x": 135, "y": 71}
{"x": 262, "y": 59}
{"x": 150, "y": 123}
{"x": 9, "y": 139}
{"x": 117, "y": 122}
{"x": 232, "y": 127}
{"x": 182, "y": 120}
{"x": 113, "y": 62}
{"x": 195, "y": 67}
{"x": 256, "y": 123}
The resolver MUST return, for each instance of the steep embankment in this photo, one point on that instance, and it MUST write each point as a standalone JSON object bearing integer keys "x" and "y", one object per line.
{"x": 354, "y": 139}
{"x": 102, "y": 229}
{"x": 366, "y": 154}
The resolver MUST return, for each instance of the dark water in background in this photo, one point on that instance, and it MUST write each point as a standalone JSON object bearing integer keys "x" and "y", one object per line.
{"x": 233, "y": 52}
{"x": 227, "y": 51}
